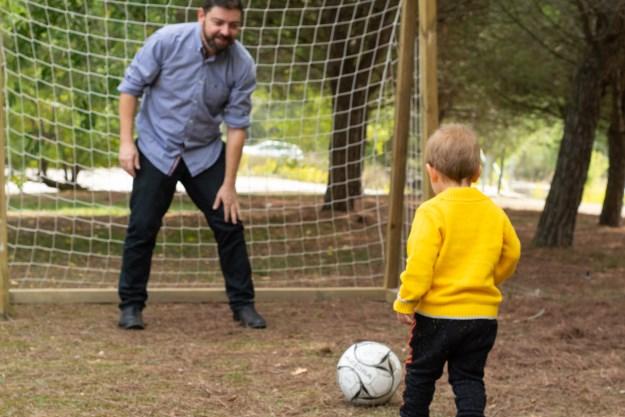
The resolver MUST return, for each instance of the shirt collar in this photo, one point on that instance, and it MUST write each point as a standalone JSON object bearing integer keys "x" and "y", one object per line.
{"x": 197, "y": 40}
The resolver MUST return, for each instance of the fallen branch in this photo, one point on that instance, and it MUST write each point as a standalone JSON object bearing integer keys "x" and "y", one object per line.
{"x": 534, "y": 317}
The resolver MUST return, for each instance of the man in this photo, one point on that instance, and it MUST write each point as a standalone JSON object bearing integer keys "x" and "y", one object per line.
{"x": 193, "y": 77}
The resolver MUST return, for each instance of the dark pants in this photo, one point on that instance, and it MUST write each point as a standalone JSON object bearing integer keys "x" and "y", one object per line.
{"x": 464, "y": 345}
{"x": 152, "y": 193}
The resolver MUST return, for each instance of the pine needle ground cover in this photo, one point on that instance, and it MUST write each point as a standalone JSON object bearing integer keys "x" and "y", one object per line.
{"x": 559, "y": 351}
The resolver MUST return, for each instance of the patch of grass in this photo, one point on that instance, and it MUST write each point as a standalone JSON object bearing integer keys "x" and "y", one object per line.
{"x": 603, "y": 261}
{"x": 83, "y": 203}
{"x": 308, "y": 170}
{"x": 237, "y": 377}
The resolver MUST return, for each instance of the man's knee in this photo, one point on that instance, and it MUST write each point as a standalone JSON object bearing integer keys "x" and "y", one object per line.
{"x": 144, "y": 227}
{"x": 225, "y": 229}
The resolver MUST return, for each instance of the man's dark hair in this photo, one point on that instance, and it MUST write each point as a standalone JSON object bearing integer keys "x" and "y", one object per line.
{"x": 226, "y": 4}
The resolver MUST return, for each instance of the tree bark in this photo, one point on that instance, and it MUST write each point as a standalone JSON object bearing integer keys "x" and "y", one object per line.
{"x": 604, "y": 27}
{"x": 346, "y": 151}
{"x": 501, "y": 168}
{"x": 557, "y": 221}
{"x": 613, "y": 200}
{"x": 355, "y": 49}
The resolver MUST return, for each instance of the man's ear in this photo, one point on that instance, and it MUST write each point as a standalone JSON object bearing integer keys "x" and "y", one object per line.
{"x": 200, "y": 15}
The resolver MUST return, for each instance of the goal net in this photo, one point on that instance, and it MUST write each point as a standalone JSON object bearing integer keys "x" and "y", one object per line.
{"x": 314, "y": 178}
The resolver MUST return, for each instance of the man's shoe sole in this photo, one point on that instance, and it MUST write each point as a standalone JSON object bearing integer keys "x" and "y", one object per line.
{"x": 131, "y": 321}
{"x": 131, "y": 326}
{"x": 236, "y": 317}
{"x": 249, "y": 326}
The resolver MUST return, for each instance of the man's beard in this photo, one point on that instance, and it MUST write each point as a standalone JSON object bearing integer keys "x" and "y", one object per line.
{"x": 214, "y": 47}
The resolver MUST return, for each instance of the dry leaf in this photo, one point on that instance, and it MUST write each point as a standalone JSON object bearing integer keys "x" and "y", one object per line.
{"x": 299, "y": 371}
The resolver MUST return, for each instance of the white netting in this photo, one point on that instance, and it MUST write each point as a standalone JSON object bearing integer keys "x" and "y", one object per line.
{"x": 320, "y": 142}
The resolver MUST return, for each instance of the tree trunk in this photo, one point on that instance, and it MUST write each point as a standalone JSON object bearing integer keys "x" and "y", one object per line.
{"x": 613, "y": 200}
{"x": 346, "y": 151}
{"x": 604, "y": 28}
{"x": 355, "y": 49}
{"x": 557, "y": 222}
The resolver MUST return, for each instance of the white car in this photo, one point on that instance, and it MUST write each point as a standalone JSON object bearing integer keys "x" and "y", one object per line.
{"x": 274, "y": 149}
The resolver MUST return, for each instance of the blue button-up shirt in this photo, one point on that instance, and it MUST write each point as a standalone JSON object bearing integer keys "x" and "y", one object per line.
{"x": 186, "y": 97}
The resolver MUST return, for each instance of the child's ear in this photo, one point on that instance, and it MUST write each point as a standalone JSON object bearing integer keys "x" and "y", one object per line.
{"x": 432, "y": 172}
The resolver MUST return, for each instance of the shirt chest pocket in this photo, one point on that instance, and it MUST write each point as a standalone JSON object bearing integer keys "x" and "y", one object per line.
{"x": 215, "y": 96}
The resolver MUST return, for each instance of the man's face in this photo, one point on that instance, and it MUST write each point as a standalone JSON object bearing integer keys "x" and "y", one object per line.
{"x": 220, "y": 27}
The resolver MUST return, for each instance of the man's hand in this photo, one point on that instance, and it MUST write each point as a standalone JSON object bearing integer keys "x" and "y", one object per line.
{"x": 227, "y": 196}
{"x": 407, "y": 319}
{"x": 129, "y": 157}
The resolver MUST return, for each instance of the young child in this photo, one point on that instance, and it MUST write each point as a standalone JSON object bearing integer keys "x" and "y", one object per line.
{"x": 461, "y": 246}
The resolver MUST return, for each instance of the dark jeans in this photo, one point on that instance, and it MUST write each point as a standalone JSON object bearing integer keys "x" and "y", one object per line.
{"x": 152, "y": 193}
{"x": 464, "y": 345}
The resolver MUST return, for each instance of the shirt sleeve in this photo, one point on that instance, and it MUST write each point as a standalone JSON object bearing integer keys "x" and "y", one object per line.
{"x": 423, "y": 247}
{"x": 239, "y": 107}
{"x": 510, "y": 253}
{"x": 145, "y": 67}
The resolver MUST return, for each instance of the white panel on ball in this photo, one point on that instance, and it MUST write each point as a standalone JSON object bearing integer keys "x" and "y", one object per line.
{"x": 368, "y": 373}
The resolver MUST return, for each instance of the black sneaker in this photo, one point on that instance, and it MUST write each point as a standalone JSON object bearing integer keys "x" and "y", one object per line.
{"x": 249, "y": 317}
{"x": 131, "y": 318}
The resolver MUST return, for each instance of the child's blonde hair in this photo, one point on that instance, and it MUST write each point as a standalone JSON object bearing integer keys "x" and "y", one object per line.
{"x": 454, "y": 151}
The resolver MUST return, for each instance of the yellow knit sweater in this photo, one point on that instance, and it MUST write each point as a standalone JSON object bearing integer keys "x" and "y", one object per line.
{"x": 461, "y": 246}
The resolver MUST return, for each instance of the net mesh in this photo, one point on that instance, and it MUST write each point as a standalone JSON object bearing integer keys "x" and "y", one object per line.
{"x": 314, "y": 176}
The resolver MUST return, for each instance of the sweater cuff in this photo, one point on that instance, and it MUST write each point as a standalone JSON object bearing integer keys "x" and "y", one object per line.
{"x": 404, "y": 307}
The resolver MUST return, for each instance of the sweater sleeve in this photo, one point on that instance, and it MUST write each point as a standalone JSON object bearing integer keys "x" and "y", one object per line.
{"x": 510, "y": 253}
{"x": 423, "y": 247}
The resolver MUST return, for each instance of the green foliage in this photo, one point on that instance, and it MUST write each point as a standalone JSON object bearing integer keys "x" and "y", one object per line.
{"x": 65, "y": 59}
{"x": 302, "y": 117}
{"x": 506, "y": 67}
{"x": 535, "y": 158}
{"x": 377, "y": 177}
{"x": 62, "y": 74}
{"x": 380, "y": 133}
{"x": 308, "y": 170}
{"x": 594, "y": 191}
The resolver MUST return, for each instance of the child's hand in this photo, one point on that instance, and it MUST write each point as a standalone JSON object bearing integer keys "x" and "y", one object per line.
{"x": 407, "y": 319}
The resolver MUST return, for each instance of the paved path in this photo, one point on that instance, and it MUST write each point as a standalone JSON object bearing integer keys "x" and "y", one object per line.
{"x": 115, "y": 179}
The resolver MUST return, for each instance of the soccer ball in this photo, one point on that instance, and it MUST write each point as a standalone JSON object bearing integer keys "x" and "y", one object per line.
{"x": 368, "y": 373}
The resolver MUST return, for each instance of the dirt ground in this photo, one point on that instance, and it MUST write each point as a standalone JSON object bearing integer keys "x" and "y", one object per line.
{"x": 560, "y": 350}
